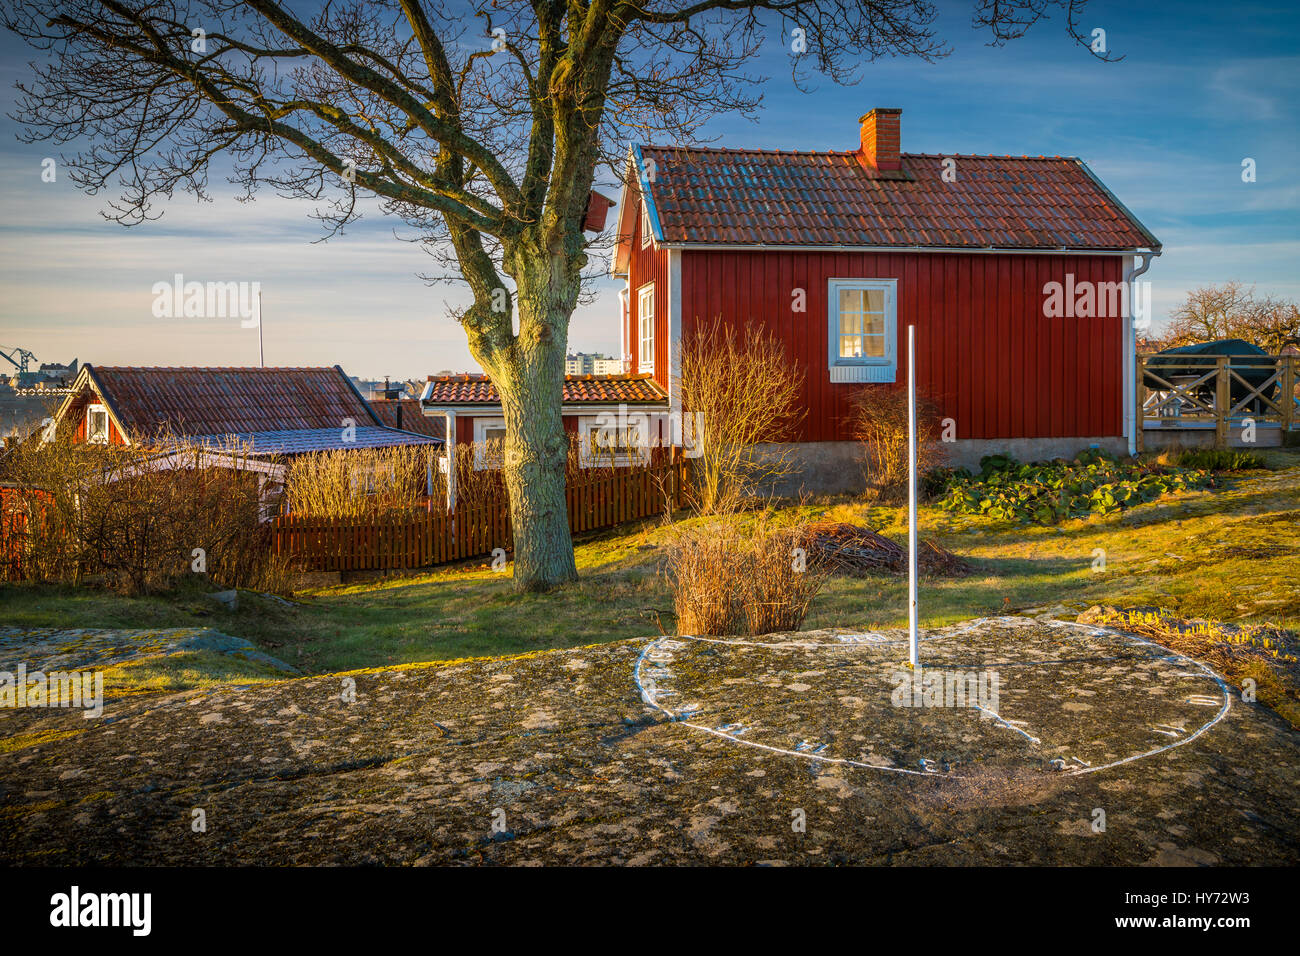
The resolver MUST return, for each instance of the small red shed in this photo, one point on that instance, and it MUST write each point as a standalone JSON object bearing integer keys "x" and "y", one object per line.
{"x": 1015, "y": 271}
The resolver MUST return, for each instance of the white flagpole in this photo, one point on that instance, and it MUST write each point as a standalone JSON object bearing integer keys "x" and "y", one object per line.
{"x": 261, "y": 358}
{"x": 911, "y": 495}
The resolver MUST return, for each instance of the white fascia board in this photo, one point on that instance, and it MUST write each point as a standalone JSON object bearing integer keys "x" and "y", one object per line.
{"x": 675, "y": 330}
{"x": 973, "y": 250}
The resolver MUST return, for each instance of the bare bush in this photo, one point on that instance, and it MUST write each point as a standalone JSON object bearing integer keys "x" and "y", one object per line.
{"x": 740, "y": 390}
{"x": 726, "y": 580}
{"x": 782, "y": 579}
{"x": 878, "y": 420}
{"x": 359, "y": 483}
{"x": 144, "y": 518}
{"x": 703, "y": 571}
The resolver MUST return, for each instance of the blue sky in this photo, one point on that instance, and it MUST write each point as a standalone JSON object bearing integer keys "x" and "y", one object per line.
{"x": 1202, "y": 86}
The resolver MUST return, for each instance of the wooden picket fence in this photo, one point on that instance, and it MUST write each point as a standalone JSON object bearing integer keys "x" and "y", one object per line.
{"x": 605, "y": 499}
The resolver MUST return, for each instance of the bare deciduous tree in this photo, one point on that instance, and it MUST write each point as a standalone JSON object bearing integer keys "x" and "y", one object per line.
{"x": 1233, "y": 311}
{"x": 481, "y": 123}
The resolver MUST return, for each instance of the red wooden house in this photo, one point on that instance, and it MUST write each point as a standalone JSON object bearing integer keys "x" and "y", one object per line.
{"x": 837, "y": 253}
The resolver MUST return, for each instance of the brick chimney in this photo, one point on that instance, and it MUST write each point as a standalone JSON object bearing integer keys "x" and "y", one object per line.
{"x": 880, "y": 140}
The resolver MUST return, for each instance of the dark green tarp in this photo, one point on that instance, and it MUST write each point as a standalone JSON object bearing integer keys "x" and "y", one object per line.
{"x": 1249, "y": 361}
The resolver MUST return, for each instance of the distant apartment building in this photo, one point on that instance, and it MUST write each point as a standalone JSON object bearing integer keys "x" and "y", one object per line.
{"x": 592, "y": 363}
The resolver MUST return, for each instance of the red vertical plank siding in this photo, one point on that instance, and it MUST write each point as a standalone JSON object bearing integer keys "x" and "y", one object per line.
{"x": 985, "y": 351}
{"x": 1043, "y": 325}
{"x": 1086, "y": 333}
{"x": 648, "y": 265}
{"x": 1003, "y": 319}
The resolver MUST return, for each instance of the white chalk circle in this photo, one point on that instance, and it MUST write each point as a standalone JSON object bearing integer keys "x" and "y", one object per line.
{"x": 1055, "y": 696}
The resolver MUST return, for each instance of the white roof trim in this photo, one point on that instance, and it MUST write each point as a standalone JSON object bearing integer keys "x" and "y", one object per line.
{"x": 985, "y": 250}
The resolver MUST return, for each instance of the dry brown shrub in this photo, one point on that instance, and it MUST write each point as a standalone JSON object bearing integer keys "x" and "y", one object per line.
{"x": 360, "y": 483}
{"x": 136, "y": 515}
{"x": 878, "y": 419}
{"x": 705, "y": 565}
{"x": 782, "y": 578}
{"x": 726, "y": 579}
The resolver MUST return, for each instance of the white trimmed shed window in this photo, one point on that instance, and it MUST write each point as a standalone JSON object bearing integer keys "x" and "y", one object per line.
{"x": 645, "y": 321}
{"x": 613, "y": 441}
{"x": 489, "y": 443}
{"x": 863, "y": 332}
{"x": 97, "y": 424}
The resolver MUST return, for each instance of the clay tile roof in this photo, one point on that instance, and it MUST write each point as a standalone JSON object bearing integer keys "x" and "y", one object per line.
{"x": 223, "y": 401}
{"x": 578, "y": 390}
{"x": 751, "y": 197}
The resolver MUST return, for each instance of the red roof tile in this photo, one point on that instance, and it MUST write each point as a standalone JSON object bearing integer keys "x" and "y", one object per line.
{"x": 220, "y": 401}
{"x": 750, "y": 197}
{"x": 578, "y": 390}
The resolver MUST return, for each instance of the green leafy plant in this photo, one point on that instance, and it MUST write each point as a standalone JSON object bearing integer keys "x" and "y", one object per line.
{"x": 1094, "y": 483}
{"x": 1220, "y": 459}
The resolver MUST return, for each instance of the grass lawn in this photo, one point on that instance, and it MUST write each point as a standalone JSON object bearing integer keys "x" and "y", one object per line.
{"x": 1231, "y": 554}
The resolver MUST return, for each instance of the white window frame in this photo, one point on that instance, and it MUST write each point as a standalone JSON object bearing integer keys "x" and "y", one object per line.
{"x": 882, "y": 369}
{"x": 647, "y": 234}
{"x": 481, "y": 426}
{"x": 645, "y": 351}
{"x": 589, "y": 423}
{"x": 91, "y": 410}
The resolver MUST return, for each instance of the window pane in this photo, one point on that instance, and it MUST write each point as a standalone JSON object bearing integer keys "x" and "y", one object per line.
{"x": 861, "y": 321}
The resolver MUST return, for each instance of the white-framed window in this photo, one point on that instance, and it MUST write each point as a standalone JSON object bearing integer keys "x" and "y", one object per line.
{"x": 862, "y": 330}
{"x": 489, "y": 443}
{"x": 611, "y": 441}
{"x": 646, "y": 234}
{"x": 645, "y": 323}
{"x": 97, "y": 424}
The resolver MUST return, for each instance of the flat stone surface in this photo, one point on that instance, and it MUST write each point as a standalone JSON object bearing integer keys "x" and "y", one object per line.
{"x": 66, "y": 649}
{"x": 676, "y": 750}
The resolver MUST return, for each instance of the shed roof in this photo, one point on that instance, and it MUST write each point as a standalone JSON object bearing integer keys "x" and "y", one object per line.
{"x": 276, "y": 410}
{"x": 219, "y": 400}
{"x": 298, "y": 441}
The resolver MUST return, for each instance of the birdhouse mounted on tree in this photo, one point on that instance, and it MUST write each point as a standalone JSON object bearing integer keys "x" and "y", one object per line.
{"x": 598, "y": 208}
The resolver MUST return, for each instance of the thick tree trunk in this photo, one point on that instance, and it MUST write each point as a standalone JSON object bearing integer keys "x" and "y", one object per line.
{"x": 537, "y": 446}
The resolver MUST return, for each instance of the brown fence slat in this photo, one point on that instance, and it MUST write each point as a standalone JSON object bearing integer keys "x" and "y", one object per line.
{"x": 436, "y": 536}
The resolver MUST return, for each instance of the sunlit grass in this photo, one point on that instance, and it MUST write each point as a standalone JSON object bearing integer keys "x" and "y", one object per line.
{"x": 1231, "y": 554}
